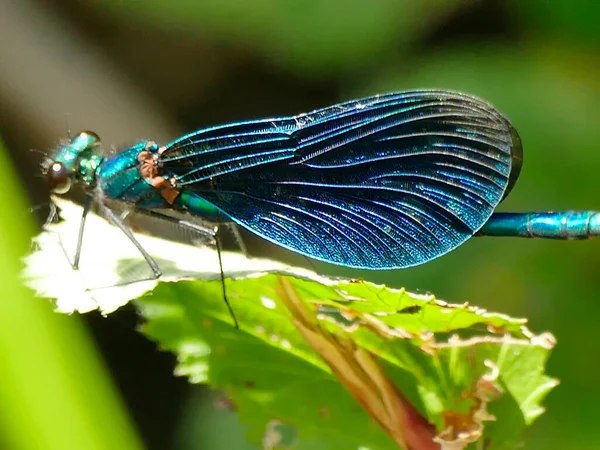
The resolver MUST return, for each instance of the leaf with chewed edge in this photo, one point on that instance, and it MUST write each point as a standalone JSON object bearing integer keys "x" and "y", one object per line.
{"x": 272, "y": 372}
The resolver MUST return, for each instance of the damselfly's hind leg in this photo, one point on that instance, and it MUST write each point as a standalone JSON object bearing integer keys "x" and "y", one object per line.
{"x": 204, "y": 231}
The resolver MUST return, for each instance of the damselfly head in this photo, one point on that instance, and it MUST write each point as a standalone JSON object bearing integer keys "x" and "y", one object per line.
{"x": 59, "y": 178}
{"x": 75, "y": 160}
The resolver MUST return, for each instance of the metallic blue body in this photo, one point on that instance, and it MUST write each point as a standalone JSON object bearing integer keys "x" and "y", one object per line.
{"x": 384, "y": 182}
{"x": 551, "y": 225}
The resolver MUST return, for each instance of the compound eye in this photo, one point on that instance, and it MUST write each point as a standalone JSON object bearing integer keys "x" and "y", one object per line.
{"x": 59, "y": 179}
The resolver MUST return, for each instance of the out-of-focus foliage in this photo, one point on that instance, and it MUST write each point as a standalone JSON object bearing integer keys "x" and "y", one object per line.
{"x": 315, "y": 36}
{"x": 577, "y": 23}
{"x": 54, "y": 393}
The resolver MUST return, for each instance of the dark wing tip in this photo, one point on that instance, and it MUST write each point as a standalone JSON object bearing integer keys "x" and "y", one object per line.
{"x": 516, "y": 160}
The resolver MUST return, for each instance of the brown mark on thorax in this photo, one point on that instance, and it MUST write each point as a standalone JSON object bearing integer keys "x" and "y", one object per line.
{"x": 150, "y": 172}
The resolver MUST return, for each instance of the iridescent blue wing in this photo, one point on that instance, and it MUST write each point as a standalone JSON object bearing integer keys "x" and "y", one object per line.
{"x": 384, "y": 182}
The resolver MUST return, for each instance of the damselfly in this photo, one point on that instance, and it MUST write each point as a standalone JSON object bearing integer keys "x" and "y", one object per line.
{"x": 385, "y": 182}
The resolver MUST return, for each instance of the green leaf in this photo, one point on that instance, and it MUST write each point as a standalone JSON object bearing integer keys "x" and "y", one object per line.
{"x": 342, "y": 363}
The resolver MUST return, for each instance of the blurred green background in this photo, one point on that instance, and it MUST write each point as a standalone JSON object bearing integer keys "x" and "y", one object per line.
{"x": 154, "y": 69}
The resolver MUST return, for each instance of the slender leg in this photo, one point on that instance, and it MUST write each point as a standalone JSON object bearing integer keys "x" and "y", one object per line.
{"x": 54, "y": 215}
{"x": 119, "y": 224}
{"x": 235, "y": 322}
{"x": 86, "y": 209}
{"x": 110, "y": 215}
{"x": 202, "y": 230}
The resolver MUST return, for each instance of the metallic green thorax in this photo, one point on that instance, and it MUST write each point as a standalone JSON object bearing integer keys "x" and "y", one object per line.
{"x": 120, "y": 178}
{"x": 80, "y": 157}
